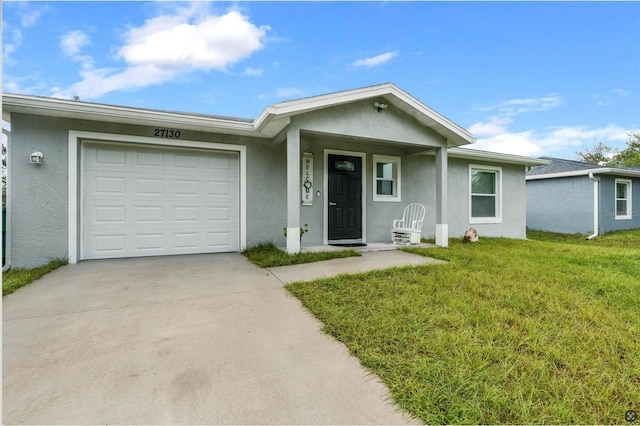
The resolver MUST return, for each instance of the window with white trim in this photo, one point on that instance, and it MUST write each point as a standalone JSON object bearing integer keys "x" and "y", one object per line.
{"x": 386, "y": 185}
{"x": 623, "y": 199}
{"x": 485, "y": 194}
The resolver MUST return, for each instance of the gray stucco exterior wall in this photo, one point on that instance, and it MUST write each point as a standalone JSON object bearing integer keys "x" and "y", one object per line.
{"x": 608, "y": 221}
{"x": 38, "y": 226}
{"x": 513, "y": 201}
{"x": 560, "y": 205}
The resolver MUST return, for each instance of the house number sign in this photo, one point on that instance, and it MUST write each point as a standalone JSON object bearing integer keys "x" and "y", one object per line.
{"x": 166, "y": 133}
{"x": 307, "y": 179}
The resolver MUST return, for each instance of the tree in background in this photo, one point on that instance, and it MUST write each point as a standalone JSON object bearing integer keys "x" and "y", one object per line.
{"x": 630, "y": 156}
{"x": 604, "y": 155}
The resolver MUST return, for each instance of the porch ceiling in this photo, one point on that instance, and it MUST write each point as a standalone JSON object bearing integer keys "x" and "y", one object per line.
{"x": 409, "y": 148}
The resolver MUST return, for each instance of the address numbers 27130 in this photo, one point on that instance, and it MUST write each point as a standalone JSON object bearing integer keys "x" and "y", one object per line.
{"x": 167, "y": 133}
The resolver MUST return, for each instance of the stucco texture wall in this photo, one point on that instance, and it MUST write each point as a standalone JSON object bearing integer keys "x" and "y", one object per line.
{"x": 608, "y": 221}
{"x": 513, "y": 201}
{"x": 562, "y": 205}
{"x": 38, "y": 204}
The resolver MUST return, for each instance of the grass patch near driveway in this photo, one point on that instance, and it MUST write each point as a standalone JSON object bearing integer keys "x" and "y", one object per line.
{"x": 509, "y": 331}
{"x": 267, "y": 255}
{"x": 13, "y": 279}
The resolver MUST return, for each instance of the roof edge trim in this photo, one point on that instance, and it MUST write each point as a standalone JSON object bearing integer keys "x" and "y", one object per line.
{"x": 474, "y": 154}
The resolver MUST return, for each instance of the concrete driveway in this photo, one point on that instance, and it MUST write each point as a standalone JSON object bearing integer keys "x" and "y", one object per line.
{"x": 202, "y": 339}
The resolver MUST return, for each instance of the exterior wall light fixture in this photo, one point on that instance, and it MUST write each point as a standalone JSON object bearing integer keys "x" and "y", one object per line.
{"x": 380, "y": 106}
{"x": 36, "y": 157}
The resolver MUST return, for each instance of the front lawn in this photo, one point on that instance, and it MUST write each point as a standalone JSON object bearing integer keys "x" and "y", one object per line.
{"x": 629, "y": 239}
{"x": 13, "y": 279}
{"x": 508, "y": 331}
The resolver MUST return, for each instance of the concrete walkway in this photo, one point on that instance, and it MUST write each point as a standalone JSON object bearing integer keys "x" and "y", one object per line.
{"x": 202, "y": 339}
{"x": 369, "y": 261}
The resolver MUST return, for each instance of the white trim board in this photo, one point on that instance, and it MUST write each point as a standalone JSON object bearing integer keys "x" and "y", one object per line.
{"x": 74, "y": 174}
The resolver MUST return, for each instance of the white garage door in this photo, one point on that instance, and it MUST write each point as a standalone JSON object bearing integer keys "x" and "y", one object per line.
{"x": 147, "y": 201}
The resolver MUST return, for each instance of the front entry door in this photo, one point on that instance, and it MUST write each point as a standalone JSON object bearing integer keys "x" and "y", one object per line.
{"x": 345, "y": 198}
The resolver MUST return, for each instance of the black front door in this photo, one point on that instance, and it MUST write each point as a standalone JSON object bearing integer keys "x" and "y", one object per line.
{"x": 345, "y": 197}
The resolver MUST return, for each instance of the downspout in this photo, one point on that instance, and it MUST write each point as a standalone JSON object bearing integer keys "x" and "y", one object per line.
{"x": 595, "y": 206}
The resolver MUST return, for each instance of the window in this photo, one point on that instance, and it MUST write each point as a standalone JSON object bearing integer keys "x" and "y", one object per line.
{"x": 387, "y": 178}
{"x": 485, "y": 188}
{"x": 623, "y": 199}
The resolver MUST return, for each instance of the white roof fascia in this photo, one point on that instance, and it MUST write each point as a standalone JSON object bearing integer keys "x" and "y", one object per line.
{"x": 438, "y": 118}
{"x": 108, "y": 113}
{"x": 428, "y": 115}
{"x": 602, "y": 171}
{"x": 472, "y": 154}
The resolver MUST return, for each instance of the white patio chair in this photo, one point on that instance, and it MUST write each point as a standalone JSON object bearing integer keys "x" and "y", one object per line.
{"x": 409, "y": 229}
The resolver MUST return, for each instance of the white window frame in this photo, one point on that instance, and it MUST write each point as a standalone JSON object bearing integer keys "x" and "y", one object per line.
{"x": 498, "y": 195}
{"x": 626, "y": 182}
{"x": 397, "y": 181}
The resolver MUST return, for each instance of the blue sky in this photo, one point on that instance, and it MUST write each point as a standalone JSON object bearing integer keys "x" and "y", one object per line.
{"x": 529, "y": 78}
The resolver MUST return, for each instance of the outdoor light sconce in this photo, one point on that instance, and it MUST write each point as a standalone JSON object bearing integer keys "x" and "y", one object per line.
{"x": 380, "y": 106}
{"x": 36, "y": 157}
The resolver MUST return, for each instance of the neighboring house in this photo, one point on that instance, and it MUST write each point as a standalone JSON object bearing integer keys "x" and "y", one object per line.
{"x": 123, "y": 182}
{"x": 575, "y": 197}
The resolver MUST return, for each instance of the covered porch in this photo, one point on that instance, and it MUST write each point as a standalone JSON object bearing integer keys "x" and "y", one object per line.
{"x": 355, "y": 136}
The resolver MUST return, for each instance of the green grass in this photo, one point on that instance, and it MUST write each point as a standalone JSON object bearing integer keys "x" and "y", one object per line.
{"x": 267, "y": 255}
{"x": 629, "y": 239}
{"x": 509, "y": 331}
{"x": 13, "y": 279}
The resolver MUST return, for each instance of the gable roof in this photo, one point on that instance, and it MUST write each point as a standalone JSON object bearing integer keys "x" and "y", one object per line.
{"x": 560, "y": 167}
{"x": 455, "y": 134}
{"x": 271, "y": 122}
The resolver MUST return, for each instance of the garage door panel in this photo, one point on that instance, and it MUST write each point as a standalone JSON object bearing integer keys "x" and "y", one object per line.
{"x": 149, "y": 159}
{"x": 149, "y": 186}
{"x": 160, "y": 202}
{"x": 113, "y": 156}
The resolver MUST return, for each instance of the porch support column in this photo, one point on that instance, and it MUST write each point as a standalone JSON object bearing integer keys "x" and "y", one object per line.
{"x": 442, "y": 227}
{"x": 293, "y": 189}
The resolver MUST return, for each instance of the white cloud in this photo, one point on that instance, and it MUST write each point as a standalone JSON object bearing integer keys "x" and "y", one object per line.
{"x": 375, "y": 60}
{"x": 12, "y": 34}
{"x": 97, "y": 82}
{"x": 179, "y": 41}
{"x": 72, "y": 42}
{"x": 493, "y": 127}
{"x": 30, "y": 17}
{"x": 621, "y": 92}
{"x": 12, "y": 41}
{"x": 252, "y": 71}
{"x": 611, "y": 97}
{"x": 519, "y": 106}
{"x": 532, "y": 143}
{"x": 522, "y": 143}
